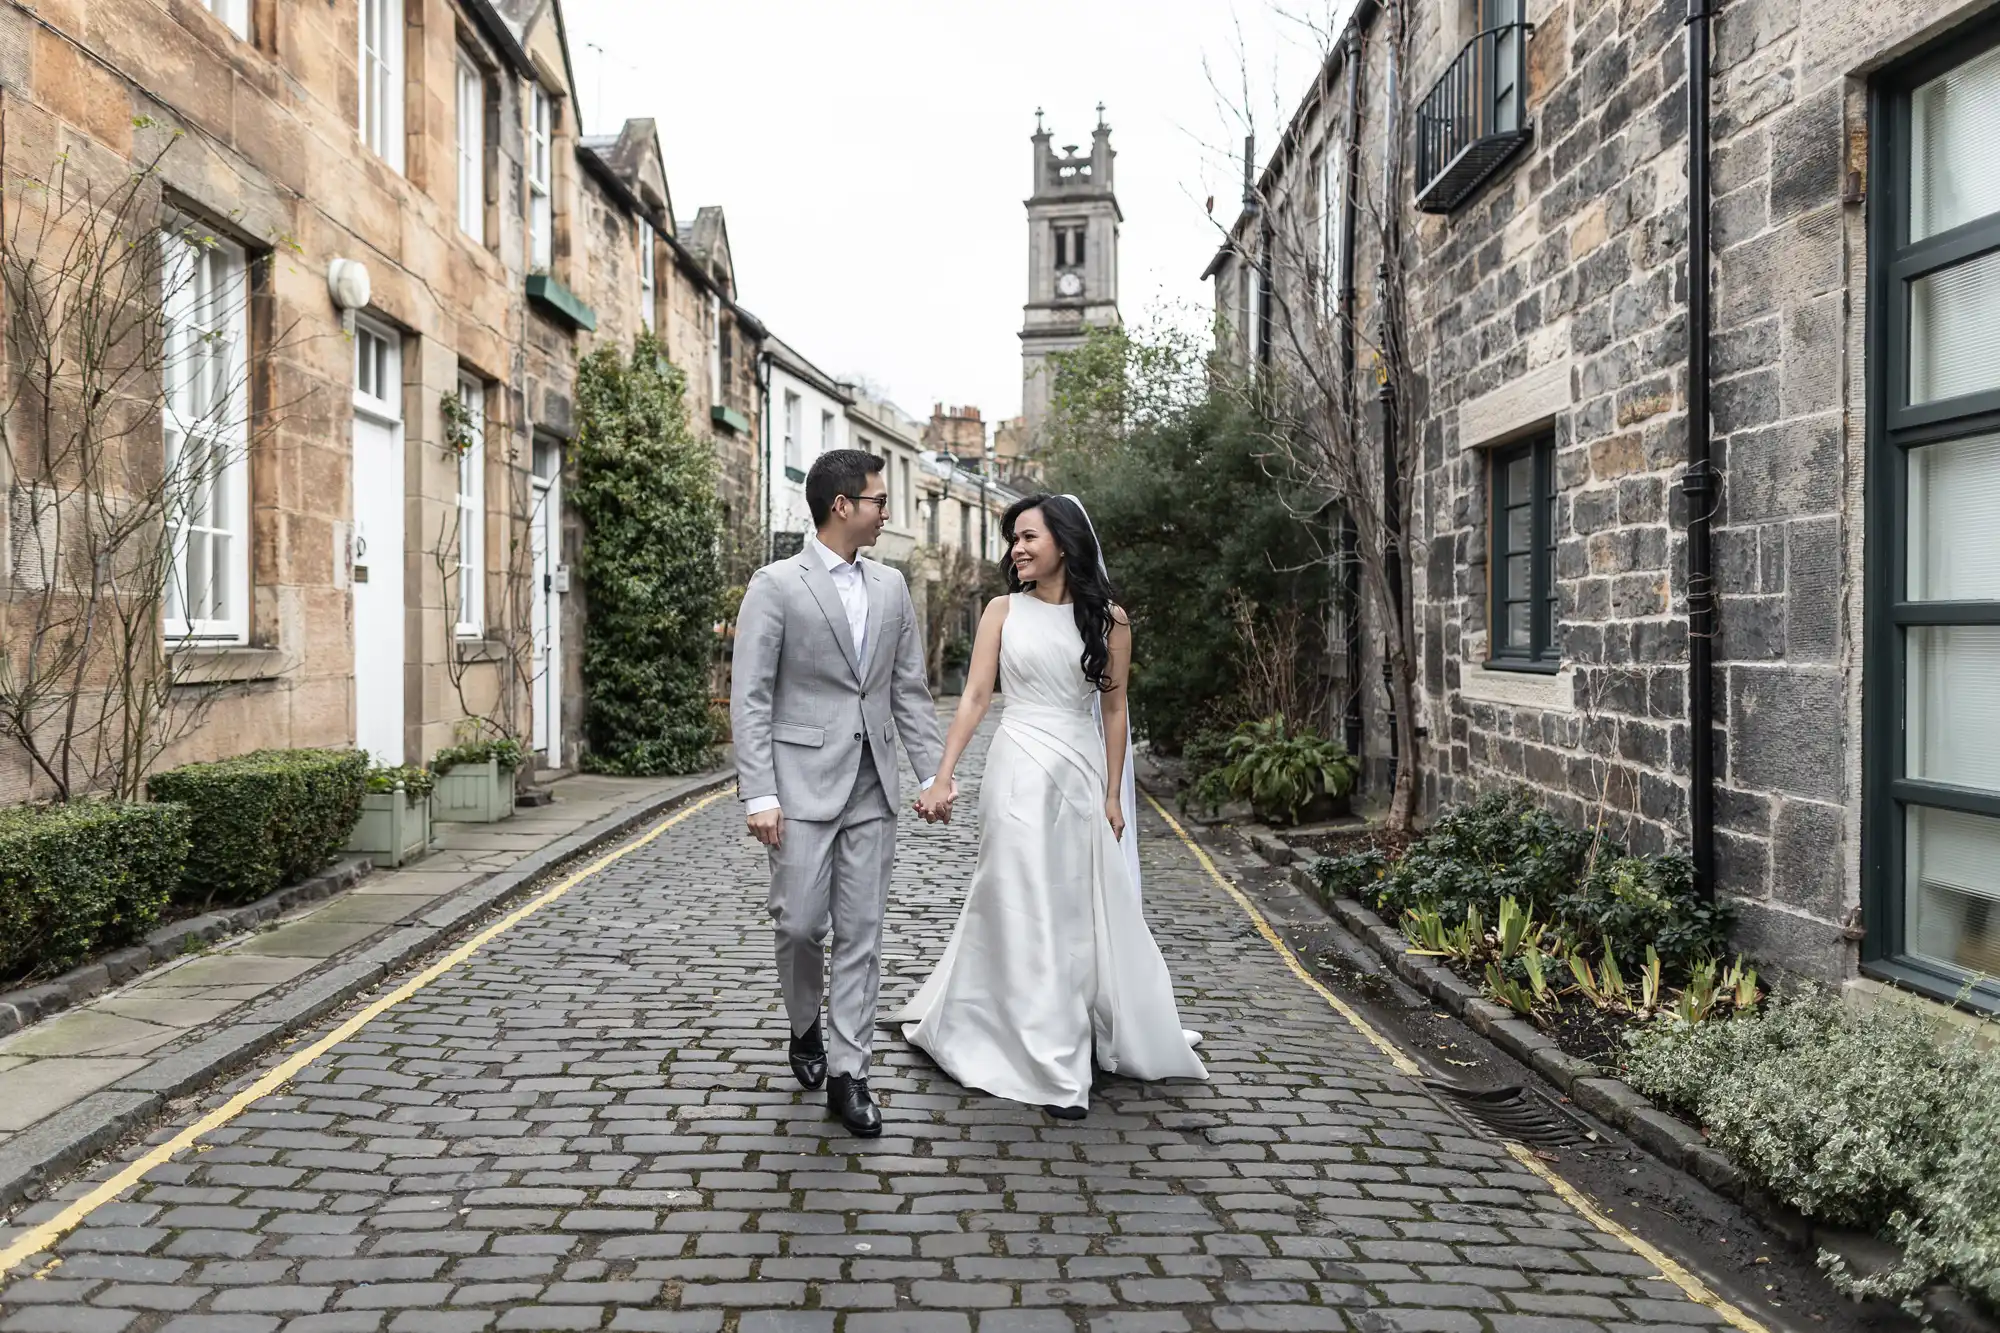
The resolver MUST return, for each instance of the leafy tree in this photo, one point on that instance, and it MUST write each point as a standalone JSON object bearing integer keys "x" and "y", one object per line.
{"x": 651, "y": 574}
{"x": 1206, "y": 551}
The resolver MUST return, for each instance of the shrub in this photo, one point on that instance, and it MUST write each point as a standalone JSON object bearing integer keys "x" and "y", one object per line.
{"x": 506, "y": 752}
{"x": 1955, "y": 1237}
{"x": 264, "y": 820}
{"x": 81, "y": 878}
{"x": 1278, "y": 769}
{"x": 1590, "y": 892}
{"x": 415, "y": 783}
{"x": 650, "y": 565}
{"x": 1847, "y": 1115}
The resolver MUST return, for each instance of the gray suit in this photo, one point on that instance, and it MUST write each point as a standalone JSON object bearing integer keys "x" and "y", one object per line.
{"x": 817, "y": 730}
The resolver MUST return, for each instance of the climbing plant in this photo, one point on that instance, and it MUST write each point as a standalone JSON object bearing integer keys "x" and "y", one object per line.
{"x": 652, "y": 581}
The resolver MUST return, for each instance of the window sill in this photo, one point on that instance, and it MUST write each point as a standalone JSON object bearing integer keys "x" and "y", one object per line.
{"x": 729, "y": 418}
{"x": 1888, "y": 980}
{"x": 481, "y": 650}
{"x": 546, "y": 292}
{"x": 794, "y": 473}
{"x": 220, "y": 664}
{"x": 1520, "y": 685}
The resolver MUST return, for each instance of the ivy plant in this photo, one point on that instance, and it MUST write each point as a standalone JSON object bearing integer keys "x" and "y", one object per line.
{"x": 650, "y": 568}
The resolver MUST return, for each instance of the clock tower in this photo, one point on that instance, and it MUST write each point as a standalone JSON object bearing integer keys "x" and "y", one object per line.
{"x": 1073, "y": 221}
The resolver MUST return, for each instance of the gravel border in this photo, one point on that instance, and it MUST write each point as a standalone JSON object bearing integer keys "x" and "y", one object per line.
{"x": 1597, "y": 1090}
{"x": 38, "y": 1155}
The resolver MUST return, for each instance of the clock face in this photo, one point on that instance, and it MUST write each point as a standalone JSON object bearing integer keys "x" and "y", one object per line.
{"x": 1069, "y": 284}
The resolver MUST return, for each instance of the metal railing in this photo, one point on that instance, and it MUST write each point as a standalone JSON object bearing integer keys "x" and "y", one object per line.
{"x": 1474, "y": 118}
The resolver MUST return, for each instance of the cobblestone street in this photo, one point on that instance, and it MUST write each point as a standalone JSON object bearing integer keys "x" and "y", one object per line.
{"x": 590, "y": 1125}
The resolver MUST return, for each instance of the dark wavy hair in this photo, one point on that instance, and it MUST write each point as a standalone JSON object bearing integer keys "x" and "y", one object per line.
{"x": 1091, "y": 593}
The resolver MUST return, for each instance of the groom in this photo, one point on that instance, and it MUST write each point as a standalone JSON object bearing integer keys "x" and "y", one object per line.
{"x": 828, "y": 673}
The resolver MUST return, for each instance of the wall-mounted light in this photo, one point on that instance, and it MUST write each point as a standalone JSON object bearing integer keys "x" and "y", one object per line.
{"x": 347, "y": 283}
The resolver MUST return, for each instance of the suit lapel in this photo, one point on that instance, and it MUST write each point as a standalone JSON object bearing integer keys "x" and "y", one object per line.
{"x": 877, "y": 599}
{"x": 821, "y": 585}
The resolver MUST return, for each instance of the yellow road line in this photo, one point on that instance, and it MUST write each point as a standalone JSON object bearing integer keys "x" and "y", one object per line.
{"x": 38, "y": 1238}
{"x": 1670, "y": 1270}
{"x": 1404, "y": 1064}
{"x": 1692, "y": 1286}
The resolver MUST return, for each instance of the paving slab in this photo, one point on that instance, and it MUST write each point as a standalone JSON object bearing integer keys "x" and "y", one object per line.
{"x": 381, "y": 908}
{"x": 226, "y": 967}
{"x": 429, "y": 880}
{"x": 307, "y": 939}
{"x": 42, "y": 1087}
{"x": 90, "y": 1031}
{"x": 192, "y": 1010}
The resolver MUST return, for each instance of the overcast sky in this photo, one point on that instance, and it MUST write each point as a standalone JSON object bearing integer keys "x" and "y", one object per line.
{"x": 873, "y": 155}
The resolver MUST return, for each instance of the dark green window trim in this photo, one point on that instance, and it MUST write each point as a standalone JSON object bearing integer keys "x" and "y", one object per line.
{"x": 1537, "y": 596}
{"x": 730, "y": 418}
{"x": 555, "y": 299}
{"x": 1894, "y": 427}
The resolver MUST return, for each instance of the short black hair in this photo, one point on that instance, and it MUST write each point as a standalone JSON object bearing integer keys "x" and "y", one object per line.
{"x": 835, "y": 473}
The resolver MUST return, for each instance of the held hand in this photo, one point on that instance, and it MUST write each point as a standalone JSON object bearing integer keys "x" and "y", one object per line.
{"x": 768, "y": 827}
{"x": 1114, "y": 810}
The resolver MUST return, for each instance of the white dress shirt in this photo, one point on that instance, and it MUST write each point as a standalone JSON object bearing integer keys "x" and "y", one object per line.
{"x": 852, "y": 585}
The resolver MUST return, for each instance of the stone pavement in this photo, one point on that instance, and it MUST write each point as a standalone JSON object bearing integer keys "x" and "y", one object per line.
{"x": 590, "y": 1125}
{"x": 121, "y": 1034}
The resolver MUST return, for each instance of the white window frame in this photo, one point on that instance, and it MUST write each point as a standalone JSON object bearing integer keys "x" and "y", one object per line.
{"x": 541, "y": 157}
{"x": 827, "y": 438}
{"x": 795, "y": 417}
{"x": 471, "y": 147}
{"x": 647, "y": 244}
{"x": 1329, "y": 224}
{"x": 205, "y": 290}
{"x": 380, "y": 106}
{"x": 470, "y": 570}
{"x": 234, "y": 13}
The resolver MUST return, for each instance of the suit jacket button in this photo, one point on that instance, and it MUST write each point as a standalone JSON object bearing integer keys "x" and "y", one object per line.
{"x": 857, "y": 735}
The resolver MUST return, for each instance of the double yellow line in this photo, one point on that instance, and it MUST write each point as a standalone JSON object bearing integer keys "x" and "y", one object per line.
{"x": 1673, "y": 1272}
{"x": 38, "y": 1238}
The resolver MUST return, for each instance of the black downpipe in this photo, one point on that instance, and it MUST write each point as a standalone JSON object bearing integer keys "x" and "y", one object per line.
{"x": 1350, "y": 575}
{"x": 1392, "y": 482}
{"x": 1701, "y": 485}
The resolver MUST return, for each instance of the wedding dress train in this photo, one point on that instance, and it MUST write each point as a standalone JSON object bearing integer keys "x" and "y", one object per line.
{"x": 1051, "y": 960}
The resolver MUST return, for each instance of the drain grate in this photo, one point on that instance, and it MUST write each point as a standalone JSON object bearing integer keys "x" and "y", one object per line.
{"x": 1513, "y": 1113}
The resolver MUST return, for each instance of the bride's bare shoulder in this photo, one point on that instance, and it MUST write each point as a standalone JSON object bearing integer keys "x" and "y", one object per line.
{"x": 1119, "y": 616}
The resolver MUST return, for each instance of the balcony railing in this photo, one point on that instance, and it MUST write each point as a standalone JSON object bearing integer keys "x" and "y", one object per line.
{"x": 1474, "y": 118}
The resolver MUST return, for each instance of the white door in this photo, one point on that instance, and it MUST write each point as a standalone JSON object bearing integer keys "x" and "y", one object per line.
{"x": 545, "y": 540}
{"x": 377, "y": 579}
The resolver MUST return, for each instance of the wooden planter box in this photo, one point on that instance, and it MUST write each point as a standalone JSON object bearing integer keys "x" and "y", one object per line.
{"x": 474, "y": 794}
{"x": 393, "y": 828}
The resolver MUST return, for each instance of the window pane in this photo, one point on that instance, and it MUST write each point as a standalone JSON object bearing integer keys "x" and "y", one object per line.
{"x": 1955, "y": 521}
{"x": 1520, "y": 478}
{"x": 1952, "y": 893}
{"x": 1519, "y": 617}
{"x": 1954, "y": 339}
{"x": 1954, "y": 172}
{"x": 1520, "y": 528}
{"x": 1952, "y": 729}
{"x": 1518, "y": 575}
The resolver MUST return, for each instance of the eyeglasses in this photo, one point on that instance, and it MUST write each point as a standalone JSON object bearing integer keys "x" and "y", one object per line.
{"x": 881, "y": 502}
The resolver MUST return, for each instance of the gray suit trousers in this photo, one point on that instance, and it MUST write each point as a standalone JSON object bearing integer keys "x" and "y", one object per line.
{"x": 832, "y": 876}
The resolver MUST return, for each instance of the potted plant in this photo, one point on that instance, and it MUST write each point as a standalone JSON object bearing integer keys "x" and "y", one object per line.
{"x": 475, "y": 781}
{"x": 395, "y": 822}
{"x": 1289, "y": 776}
{"x": 957, "y": 655}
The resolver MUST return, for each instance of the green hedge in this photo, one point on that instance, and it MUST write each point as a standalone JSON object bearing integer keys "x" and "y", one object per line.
{"x": 264, "y": 820}
{"x": 81, "y": 878}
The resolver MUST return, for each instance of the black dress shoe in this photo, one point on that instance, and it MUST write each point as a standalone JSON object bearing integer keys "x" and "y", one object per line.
{"x": 1067, "y": 1112}
{"x": 809, "y": 1058}
{"x": 847, "y": 1097}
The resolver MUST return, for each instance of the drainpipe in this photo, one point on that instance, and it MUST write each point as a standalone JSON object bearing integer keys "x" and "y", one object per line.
{"x": 1350, "y": 589}
{"x": 1392, "y": 545}
{"x": 1700, "y": 485}
{"x": 764, "y": 464}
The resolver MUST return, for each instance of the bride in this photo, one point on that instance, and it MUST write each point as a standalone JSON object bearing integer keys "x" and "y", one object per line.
{"x": 1050, "y": 962}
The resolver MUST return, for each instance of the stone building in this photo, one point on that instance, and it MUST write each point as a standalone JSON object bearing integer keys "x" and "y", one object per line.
{"x": 1073, "y": 221}
{"x": 805, "y": 415}
{"x": 400, "y": 247}
{"x": 348, "y": 562}
{"x": 1817, "y": 740}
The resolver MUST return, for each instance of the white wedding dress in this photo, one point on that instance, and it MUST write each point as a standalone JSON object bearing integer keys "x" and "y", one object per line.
{"x": 1051, "y": 958}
